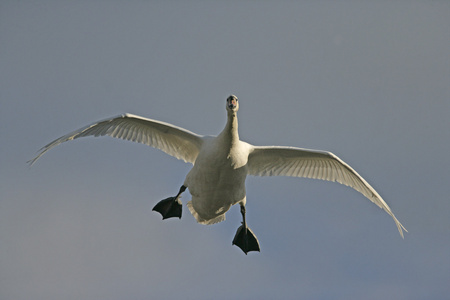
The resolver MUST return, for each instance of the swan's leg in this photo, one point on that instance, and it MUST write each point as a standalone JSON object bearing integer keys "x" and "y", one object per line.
{"x": 245, "y": 238}
{"x": 170, "y": 207}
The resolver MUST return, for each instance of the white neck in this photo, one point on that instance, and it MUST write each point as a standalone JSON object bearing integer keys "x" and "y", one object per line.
{"x": 230, "y": 132}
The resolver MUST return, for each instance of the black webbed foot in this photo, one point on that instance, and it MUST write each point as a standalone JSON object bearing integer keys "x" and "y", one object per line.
{"x": 170, "y": 207}
{"x": 246, "y": 239}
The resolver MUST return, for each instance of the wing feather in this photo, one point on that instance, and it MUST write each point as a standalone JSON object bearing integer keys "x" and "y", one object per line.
{"x": 298, "y": 162}
{"x": 173, "y": 140}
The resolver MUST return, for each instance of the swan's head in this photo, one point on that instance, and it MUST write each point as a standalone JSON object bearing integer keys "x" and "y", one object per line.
{"x": 232, "y": 103}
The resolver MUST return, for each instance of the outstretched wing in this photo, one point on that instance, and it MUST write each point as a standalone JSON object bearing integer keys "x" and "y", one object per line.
{"x": 173, "y": 140}
{"x": 297, "y": 162}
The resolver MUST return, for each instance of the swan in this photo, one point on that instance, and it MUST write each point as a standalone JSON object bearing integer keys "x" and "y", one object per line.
{"x": 221, "y": 165}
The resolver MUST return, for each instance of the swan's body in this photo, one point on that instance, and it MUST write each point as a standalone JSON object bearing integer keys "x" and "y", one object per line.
{"x": 217, "y": 180}
{"x": 221, "y": 165}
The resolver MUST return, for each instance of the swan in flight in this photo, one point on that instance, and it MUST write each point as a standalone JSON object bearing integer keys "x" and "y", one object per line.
{"x": 221, "y": 165}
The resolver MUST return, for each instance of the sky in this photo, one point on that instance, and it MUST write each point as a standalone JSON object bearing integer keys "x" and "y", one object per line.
{"x": 366, "y": 80}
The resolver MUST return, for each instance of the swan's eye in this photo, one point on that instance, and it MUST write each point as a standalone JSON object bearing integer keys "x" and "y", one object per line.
{"x": 231, "y": 98}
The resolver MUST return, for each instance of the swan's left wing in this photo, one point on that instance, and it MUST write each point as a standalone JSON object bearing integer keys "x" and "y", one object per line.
{"x": 173, "y": 140}
{"x": 297, "y": 162}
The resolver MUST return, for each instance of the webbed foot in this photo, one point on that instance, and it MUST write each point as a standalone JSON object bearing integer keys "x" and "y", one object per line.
{"x": 170, "y": 207}
{"x": 246, "y": 239}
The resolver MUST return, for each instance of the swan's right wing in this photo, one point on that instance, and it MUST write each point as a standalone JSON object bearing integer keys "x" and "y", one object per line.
{"x": 173, "y": 140}
{"x": 298, "y": 162}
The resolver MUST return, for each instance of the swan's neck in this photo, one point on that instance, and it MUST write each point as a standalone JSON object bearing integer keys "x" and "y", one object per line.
{"x": 230, "y": 132}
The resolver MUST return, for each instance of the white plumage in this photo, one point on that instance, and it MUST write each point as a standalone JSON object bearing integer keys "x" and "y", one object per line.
{"x": 221, "y": 164}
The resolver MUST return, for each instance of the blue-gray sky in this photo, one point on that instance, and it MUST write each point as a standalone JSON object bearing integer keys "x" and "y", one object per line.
{"x": 368, "y": 81}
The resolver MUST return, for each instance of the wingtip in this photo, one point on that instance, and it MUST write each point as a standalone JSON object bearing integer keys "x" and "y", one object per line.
{"x": 401, "y": 228}
{"x": 31, "y": 162}
{"x": 34, "y": 159}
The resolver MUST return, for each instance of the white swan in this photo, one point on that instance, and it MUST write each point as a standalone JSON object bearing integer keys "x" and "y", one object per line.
{"x": 221, "y": 165}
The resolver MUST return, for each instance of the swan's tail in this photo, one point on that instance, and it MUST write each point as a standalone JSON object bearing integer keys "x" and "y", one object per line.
{"x": 204, "y": 221}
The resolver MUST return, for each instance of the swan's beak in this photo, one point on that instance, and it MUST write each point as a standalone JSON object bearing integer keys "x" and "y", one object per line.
{"x": 232, "y": 102}
{"x": 232, "y": 105}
